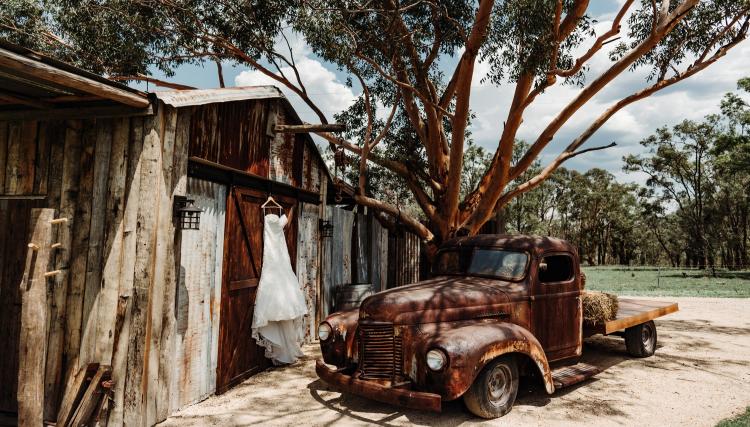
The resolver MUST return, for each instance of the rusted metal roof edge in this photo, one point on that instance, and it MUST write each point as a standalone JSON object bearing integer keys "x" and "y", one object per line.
{"x": 187, "y": 98}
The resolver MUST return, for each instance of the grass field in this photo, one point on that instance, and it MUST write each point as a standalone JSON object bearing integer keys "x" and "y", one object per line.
{"x": 742, "y": 420}
{"x": 652, "y": 281}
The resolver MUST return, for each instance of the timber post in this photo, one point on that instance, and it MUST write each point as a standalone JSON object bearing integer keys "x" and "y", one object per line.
{"x": 33, "y": 337}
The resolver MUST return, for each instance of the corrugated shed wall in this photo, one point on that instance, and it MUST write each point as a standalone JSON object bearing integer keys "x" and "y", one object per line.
{"x": 199, "y": 296}
{"x": 308, "y": 262}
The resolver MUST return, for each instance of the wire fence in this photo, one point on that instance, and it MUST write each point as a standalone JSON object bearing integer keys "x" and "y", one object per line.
{"x": 664, "y": 280}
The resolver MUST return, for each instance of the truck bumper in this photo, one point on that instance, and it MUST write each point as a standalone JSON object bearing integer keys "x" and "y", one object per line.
{"x": 374, "y": 391}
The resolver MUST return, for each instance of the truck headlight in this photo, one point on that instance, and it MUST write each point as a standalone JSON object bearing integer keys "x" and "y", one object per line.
{"x": 324, "y": 331}
{"x": 436, "y": 359}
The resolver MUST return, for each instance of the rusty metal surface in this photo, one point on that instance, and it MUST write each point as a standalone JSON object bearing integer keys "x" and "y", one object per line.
{"x": 532, "y": 244}
{"x": 472, "y": 319}
{"x": 442, "y": 299}
{"x": 470, "y": 345}
{"x": 375, "y": 391}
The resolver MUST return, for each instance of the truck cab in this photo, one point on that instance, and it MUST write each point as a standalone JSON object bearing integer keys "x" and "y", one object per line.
{"x": 497, "y": 307}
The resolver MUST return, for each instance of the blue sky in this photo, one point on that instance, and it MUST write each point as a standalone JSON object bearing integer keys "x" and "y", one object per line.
{"x": 691, "y": 99}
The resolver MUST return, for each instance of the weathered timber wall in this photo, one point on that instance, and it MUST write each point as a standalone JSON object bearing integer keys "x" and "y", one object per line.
{"x": 361, "y": 250}
{"x": 115, "y": 179}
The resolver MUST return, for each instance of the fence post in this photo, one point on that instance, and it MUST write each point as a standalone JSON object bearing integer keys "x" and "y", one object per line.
{"x": 658, "y": 276}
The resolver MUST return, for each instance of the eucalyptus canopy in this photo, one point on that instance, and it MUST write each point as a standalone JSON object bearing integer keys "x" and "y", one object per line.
{"x": 397, "y": 51}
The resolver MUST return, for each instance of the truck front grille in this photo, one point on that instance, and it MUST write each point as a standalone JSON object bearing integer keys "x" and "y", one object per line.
{"x": 380, "y": 351}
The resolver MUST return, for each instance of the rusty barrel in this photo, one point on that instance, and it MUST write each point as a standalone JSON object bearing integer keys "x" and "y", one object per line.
{"x": 351, "y": 295}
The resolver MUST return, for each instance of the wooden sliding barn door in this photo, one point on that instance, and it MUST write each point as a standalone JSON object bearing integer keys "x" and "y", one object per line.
{"x": 239, "y": 355}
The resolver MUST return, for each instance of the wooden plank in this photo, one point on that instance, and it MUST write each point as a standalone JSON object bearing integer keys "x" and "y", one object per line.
{"x": 12, "y": 158}
{"x": 42, "y": 159}
{"x": 37, "y": 69}
{"x": 93, "y": 286}
{"x": 3, "y": 153}
{"x": 76, "y": 387}
{"x": 33, "y": 337}
{"x": 90, "y": 399}
{"x": 165, "y": 272}
{"x": 70, "y": 150}
{"x": 80, "y": 248}
{"x": 636, "y": 312}
{"x": 27, "y": 156}
{"x": 112, "y": 248}
{"x": 70, "y": 113}
{"x": 127, "y": 268}
{"x": 137, "y": 394}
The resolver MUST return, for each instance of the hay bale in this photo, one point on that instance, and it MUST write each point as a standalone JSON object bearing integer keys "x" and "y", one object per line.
{"x": 599, "y": 307}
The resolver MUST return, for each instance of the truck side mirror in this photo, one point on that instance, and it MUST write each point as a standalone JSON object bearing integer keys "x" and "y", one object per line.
{"x": 542, "y": 266}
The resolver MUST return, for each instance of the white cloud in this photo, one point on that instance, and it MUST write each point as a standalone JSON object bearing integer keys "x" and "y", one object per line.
{"x": 322, "y": 84}
{"x": 692, "y": 99}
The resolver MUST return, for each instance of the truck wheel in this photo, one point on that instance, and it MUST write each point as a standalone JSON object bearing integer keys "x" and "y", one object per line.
{"x": 494, "y": 390}
{"x": 640, "y": 340}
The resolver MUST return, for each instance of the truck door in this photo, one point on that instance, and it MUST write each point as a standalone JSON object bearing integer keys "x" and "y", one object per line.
{"x": 556, "y": 306}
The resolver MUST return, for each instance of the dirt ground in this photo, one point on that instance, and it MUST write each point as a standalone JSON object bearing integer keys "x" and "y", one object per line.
{"x": 699, "y": 375}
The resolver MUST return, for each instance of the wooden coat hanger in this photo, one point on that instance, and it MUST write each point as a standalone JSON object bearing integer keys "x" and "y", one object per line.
{"x": 275, "y": 205}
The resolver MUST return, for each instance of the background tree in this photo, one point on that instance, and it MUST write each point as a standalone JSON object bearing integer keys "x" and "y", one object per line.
{"x": 415, "y": 56}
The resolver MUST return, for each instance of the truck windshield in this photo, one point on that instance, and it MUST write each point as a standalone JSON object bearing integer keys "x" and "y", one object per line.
{"x": 482, "y": 262}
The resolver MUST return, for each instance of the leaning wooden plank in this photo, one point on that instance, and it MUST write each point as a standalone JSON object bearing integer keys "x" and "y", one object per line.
{"x": 71, "y": 157}
{"x": 77, "y": 385}
{"x": 25, "y": 65}
{"x": 34, "y": 320}
{"x": 127, "y": 268}
{"x": 80, "y": 246}
{"x": 137, "y": 391}
{"x": 90, "y": 399}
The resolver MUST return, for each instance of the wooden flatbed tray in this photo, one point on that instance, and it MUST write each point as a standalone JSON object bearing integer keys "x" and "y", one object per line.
{"x": 633, "y": 312}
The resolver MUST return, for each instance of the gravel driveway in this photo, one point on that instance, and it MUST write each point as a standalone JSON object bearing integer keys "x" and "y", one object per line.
{"x": 699, "y": 375}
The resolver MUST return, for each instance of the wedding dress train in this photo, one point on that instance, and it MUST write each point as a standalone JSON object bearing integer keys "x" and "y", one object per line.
{"x": 279, "y": 304}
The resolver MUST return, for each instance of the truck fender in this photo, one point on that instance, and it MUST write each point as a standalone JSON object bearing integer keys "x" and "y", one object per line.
{"x": 471, "y": 347}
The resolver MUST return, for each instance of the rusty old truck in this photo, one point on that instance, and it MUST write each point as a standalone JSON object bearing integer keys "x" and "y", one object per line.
{"x": 497, "y": 308}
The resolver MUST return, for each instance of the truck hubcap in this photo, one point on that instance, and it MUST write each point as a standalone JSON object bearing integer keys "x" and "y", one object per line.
{"x": 499, "y": 385}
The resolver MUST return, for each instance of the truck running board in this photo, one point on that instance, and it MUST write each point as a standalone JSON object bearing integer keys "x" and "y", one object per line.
{"x": 566, "y": 376}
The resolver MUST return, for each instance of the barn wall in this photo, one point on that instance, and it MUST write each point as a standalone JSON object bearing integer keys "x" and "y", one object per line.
{"x": 114, "y": 179}
{"x": 198, "y": 297}
{"x": 233, "y": 134}
{"x": 308, "y": 263}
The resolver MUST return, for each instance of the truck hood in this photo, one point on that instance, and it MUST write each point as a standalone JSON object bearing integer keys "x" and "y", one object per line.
{"x": 444, "y": 298}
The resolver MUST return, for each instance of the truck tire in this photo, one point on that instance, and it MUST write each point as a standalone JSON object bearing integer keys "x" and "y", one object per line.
{"x": 640, "y": 340}
{"x": 494, "y": 390}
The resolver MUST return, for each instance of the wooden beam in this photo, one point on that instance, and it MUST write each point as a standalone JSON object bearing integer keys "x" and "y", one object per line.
{"x": 20, "y": 99}
{"x": 76, "y": 113}
{"x": 306, "y": 128}
{"x": 33, "y": 337}
{"x": 23, "y": 64}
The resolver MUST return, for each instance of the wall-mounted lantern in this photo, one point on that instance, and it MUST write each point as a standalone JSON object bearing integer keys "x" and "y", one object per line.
{"x": 187, "y": 215}
{"x": 326, "y": 228}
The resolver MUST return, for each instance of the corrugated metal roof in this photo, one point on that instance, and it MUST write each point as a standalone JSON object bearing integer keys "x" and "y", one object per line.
{"x": 185, "y": 98}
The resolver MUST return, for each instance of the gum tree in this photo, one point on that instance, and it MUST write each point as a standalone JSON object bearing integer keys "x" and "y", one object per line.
{"x": 414, "y": 57}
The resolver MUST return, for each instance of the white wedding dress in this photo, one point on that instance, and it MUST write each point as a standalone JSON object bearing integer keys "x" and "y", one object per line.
{"x": 279, "y": 303}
